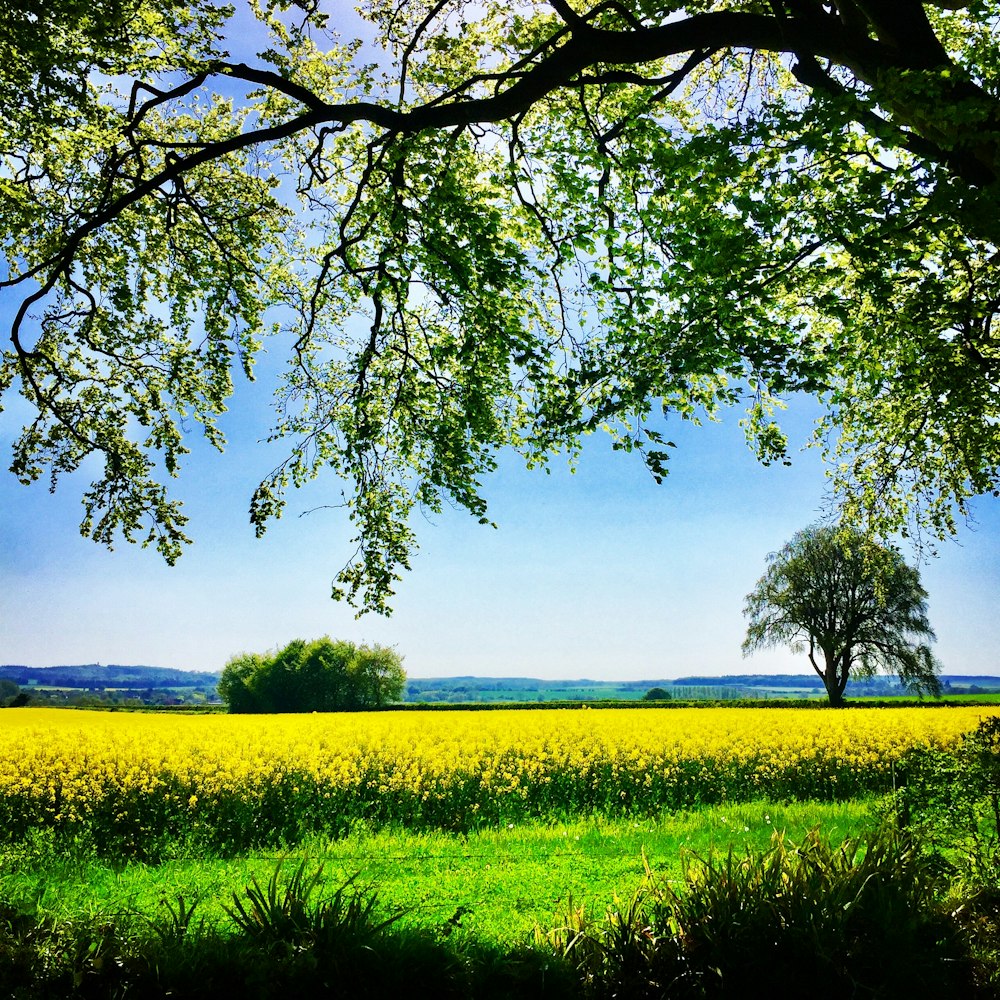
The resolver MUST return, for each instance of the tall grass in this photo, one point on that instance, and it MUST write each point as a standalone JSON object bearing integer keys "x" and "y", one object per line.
{"x": 860, "y": 919}
{"x": 504, "y": 881}
{"x": 284, "y": 937}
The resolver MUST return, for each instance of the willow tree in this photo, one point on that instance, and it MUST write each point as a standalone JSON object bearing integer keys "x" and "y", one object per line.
{"x": 855, "y": 607}
{"x": 473, "y": 226}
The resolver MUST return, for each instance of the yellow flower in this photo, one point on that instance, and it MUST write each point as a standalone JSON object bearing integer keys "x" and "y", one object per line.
{"x": 71, "y": 766}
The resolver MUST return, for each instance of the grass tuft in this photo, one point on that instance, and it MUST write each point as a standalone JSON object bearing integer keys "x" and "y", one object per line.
{"x": 861, "y": 919}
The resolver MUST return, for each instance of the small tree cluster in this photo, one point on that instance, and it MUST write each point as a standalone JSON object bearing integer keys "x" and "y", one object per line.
{"x": 11, "y": 695}
{"x": 325, "y": 675}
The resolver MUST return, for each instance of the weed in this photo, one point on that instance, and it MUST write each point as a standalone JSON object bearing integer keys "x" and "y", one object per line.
{"x": 288, "y": 917}
{"x": 179, "y": 924}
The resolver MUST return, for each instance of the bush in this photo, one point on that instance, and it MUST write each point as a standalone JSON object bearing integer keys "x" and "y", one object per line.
{"x": 320, "y": 676}
{"x": 860, "y": 920}
{"x": 951, "y": 799}
{"x": 9, "y": 691}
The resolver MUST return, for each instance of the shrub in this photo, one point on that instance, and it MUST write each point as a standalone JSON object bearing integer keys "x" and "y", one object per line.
{"x": 320, "y": 676}
{"x": 9, "y": 692}
{"x": 951, "y": 799}
{"x": 858, "y": 920}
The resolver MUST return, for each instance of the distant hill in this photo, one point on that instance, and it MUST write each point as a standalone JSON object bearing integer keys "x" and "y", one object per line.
{"x": 764, "y": 680}
{"x": 132, "y": 681}
{"x": 953, "y": 683}
{"x": 728, "y": 687}
{"x": 982, "y": 681}
{"x": 520, "y": 689}
{"x": 98, "y": 676}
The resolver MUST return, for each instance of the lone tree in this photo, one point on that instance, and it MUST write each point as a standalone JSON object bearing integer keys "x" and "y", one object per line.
{"x": 853, "y": 605}
{"x": 472, "y": 225}
{"x": 320, "y": 676}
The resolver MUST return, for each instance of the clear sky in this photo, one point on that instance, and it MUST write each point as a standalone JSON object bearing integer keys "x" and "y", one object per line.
{"x": 599, "y": 574}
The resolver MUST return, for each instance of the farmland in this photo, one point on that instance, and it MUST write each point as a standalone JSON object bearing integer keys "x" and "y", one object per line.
{"x": 484, "y": 824}
{"x": 229, "y": 783}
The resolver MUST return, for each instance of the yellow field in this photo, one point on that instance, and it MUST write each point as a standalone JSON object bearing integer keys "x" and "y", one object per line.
{"x": 236, "y": 781}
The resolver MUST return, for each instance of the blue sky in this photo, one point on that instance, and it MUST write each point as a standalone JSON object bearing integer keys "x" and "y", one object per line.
{"x": 599, "y": 574}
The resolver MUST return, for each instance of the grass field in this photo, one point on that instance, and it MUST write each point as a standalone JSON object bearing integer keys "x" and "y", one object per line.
{"x": 503, "y": 882}
{"x": 143, "y": 786}
{"x": 474, "y": 827}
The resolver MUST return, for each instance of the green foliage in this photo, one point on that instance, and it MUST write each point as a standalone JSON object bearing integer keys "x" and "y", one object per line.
{"x": 289, "y": 941}
{"x": 234, "y": 683}
{"x": 478, "y": 226}
{"x": 657, "y": 694}
{"x": 319, "y": 676}
{"x": 289, "y": 916}
{"x": 951, "y": 799}
{"x": 859, "y": 919}
{"x": 9, "y": 692}
{"x": 854, "y": 606}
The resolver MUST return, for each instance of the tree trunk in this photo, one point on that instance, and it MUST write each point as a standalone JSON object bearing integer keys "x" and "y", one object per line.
{"x": 834, "y": 693}
{"x": 833, "y": 680}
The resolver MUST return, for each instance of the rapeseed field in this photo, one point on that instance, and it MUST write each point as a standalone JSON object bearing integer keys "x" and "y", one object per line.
{"x": 126, "y": 781}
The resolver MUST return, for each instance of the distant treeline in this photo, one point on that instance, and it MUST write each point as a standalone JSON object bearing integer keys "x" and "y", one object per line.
{"x": 859, "y": 687}
{"x": 165, "y": 685}
{"x": 767, "y": 681}
{"x": 731, "y": 687}
{"x": 522, "y": 689}
{"x": 98, "y": 676}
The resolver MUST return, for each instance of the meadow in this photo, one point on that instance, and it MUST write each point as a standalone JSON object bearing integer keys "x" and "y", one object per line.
{"x": 469, "y": 826}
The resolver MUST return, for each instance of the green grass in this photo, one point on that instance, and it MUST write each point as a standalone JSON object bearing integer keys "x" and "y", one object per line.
{"x": 494, "y": 885}
{"x": 796, "y": 899}
{"x": 975, "y": 699}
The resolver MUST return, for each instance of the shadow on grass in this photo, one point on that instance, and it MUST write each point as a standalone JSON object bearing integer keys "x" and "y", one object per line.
{"x": 862, "y": 919}
{"x": 286, "y": 938}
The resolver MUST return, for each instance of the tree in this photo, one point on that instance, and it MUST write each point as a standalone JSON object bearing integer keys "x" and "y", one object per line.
{"x": 320, "y": 676}
{"x": 375, "y": 677}
{"x": 484, "y": 225}
{"x": 234, "y": 685}
{"x": 657, "y": 694}
{"x": 856, "y": 607}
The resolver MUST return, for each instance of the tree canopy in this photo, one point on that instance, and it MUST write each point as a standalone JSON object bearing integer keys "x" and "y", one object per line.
{"x": 320, "y": 676}
{"x": 854, "y": 606}
{"x": 473, "y": 226}
{"x": 657, "y": 694}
